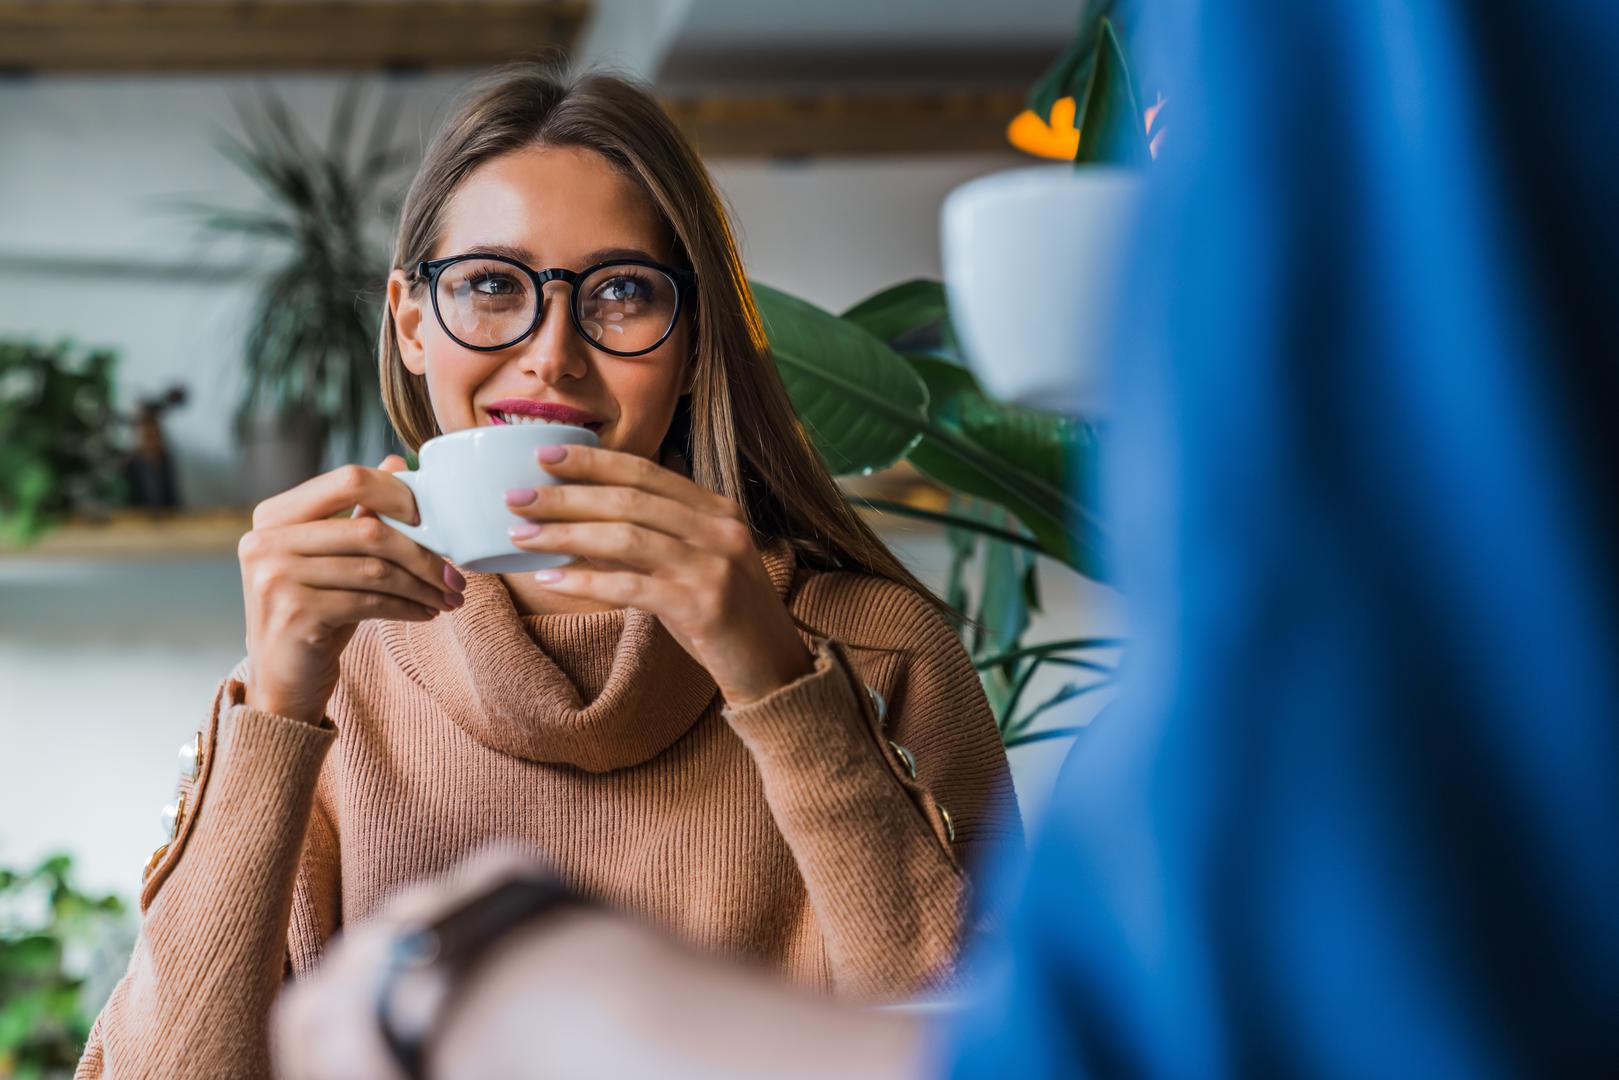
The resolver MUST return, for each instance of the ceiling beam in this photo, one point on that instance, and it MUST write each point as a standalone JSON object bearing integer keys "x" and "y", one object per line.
{"x": 246, "y": 35}
{"x": 848, "y": 125}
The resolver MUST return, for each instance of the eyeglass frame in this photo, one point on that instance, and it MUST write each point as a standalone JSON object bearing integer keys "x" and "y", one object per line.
{"x": 428, "y": 271}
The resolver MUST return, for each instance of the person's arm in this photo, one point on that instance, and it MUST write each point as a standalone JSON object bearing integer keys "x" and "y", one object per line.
{"x": 212, "y": 950}
{"x": 551, "y": 999}
{"x": 880, "y": 850}
{"x": 540, "y": 1007}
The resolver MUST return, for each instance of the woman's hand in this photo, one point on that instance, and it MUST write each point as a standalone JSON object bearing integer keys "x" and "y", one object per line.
{"x": 308, "y": 580}
{"x": 656, "y": 541}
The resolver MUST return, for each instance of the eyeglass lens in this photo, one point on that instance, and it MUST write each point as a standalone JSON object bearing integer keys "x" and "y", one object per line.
{"x": 489, "y": 304}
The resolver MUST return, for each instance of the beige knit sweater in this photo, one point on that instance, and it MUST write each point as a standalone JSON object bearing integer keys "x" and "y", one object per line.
{"x": 787, "y": 830}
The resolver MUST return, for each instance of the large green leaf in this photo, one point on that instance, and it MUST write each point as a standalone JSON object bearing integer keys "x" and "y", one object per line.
{"x": 1111, "y": 128}
{"x": 1026, "y": 460}
{"x": 861, "y": 403}
{"x": 901, "y": 309}
{"x": 1001, "y": 609}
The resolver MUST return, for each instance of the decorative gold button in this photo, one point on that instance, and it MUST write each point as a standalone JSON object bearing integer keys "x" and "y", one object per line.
{"x": 878, "y": 703}
{"x": 949, "y": 825}
{"x": 151, "y": 864}
{"x": 905, "y": 756}
{"x": 173, "y": 814}
{"x": 191, "y": 758}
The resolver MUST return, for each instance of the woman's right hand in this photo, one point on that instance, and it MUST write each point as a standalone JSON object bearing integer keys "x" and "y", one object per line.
{"x": 309, "y": 579}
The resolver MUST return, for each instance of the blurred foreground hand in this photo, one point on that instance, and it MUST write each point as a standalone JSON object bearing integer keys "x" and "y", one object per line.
{"x": 578, "y": 992}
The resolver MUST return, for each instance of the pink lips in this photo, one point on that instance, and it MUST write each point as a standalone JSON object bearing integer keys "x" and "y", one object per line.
{"x": 545, "y": 410}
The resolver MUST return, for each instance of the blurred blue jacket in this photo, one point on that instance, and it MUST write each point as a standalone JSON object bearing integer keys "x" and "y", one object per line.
{"x": 1357, "y": 813}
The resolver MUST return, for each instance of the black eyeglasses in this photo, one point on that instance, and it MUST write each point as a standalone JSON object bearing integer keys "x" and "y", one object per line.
{"x": 626, "y": 307}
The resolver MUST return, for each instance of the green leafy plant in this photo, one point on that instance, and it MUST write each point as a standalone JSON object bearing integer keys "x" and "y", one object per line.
{"x": 57, "y": 420}
{"x": 311, "y": 345}
{"x": 884, "y": 382}
{"x": 48, "y": 930}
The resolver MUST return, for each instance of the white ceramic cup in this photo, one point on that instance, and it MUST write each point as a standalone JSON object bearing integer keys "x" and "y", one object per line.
{"x": 460, "y": 490}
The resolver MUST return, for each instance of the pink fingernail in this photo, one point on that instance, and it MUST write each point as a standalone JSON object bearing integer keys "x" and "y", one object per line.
{"x": 553, "y": 454}
{"x": 548, "y": 576}
{"x": 520, "y": 496}
{"x": 523, "y": 531}
{"x": 453, "y": 578}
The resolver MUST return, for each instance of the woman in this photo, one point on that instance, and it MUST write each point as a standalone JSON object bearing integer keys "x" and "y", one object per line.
{"x": 735, "y": 715}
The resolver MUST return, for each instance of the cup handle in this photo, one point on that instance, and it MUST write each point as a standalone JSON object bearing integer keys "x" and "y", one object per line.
{"x": 423, "y": 534}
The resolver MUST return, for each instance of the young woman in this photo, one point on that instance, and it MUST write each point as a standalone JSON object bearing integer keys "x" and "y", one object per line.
{"x": 735, "y": 715}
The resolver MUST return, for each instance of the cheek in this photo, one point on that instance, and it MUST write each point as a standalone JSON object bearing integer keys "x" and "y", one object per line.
{"x": 453, "y": 376}
{"x": 646, "y": 400}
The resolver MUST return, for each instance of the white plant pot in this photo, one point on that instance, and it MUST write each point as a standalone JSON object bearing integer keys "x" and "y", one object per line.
{"x": 1032, "y": 264}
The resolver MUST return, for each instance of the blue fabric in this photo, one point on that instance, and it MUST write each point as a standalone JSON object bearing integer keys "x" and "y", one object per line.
{"x": 1358, "y": 812}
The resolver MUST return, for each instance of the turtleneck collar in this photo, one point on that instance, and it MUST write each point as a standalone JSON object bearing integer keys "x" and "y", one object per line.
{"x": 600, "y": 691}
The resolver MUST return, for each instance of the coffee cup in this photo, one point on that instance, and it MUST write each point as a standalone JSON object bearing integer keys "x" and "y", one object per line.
{"x": 460, "y": 488}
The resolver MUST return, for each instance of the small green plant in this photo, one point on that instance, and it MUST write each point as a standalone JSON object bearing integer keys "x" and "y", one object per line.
{"x": 50, "y": 937}
{"x": 57, "y": 423}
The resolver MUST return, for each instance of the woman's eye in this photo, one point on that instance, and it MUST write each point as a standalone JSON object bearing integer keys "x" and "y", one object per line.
{"x": 493, "y": 285}
{"x": 621, "y": 289}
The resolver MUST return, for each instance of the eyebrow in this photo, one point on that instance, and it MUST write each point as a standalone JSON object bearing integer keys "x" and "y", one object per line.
{"x": 524, "y": 255}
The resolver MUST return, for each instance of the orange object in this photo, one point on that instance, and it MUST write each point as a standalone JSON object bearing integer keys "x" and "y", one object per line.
{"x": 1058, "y": 139}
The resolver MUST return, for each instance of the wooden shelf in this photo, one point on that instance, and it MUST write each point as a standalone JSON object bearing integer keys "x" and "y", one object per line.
{"x": 248, "y": 35}
{"x": 137, "y": 535}
{"x": 133, "y": 535}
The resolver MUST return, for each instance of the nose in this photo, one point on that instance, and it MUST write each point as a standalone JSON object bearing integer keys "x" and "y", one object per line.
{"x": 555, "y": 352}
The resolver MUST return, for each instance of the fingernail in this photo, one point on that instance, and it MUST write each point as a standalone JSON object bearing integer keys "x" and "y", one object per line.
{"x": 545, "y": 577}
{"x": 520, "y": 496}
{"x": 553, "y": 454}
{"x": 523, "y": 531}
{"x": 453, "y": 578}
{"x": 455, "y": 600}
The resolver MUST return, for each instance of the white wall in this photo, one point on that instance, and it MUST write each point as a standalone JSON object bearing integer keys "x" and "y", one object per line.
{"x": 105, "y": 669}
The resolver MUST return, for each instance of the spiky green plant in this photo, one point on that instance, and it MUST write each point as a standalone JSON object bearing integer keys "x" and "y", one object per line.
{"x": 311, "y": 346}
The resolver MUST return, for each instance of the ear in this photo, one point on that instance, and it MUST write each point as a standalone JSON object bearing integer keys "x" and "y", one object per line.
{"x": 405, "y": 305}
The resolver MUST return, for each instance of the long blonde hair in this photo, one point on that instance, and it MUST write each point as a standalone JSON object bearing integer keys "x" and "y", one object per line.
{"x": 737, "y": 428}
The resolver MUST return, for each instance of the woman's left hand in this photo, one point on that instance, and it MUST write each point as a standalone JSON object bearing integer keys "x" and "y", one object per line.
{"x": 655, "y": 540}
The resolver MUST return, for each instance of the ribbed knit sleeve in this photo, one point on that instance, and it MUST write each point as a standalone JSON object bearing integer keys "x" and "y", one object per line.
{"x": 212, "y": 949}
{"x": 879, "y": 849}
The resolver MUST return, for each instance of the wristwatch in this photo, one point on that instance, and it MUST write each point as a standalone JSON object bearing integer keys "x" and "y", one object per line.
{"x": 426, "y": 963}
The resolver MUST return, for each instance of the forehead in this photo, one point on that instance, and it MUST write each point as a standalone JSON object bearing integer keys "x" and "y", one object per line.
{"x": 556, "y": 203}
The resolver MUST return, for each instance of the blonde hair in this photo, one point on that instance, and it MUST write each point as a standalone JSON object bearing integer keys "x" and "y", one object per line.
{"x": 736, "y": 428}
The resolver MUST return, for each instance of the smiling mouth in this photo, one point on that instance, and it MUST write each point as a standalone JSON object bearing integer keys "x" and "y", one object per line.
{"x": 518, "y": 418}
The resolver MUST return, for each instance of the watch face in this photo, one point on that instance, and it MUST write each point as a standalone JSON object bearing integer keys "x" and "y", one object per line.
{"x": 417, "y": 992}
{"x": 426, "y": 964}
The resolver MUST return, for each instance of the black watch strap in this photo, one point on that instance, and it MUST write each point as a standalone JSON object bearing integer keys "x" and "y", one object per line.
{"x": 450, "y": 946}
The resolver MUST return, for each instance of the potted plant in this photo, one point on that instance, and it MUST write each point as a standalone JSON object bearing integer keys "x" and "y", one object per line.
{"x": 310, "y": 348}
{"x": 917, "y": 359}
{"x": 56, "y": 436}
